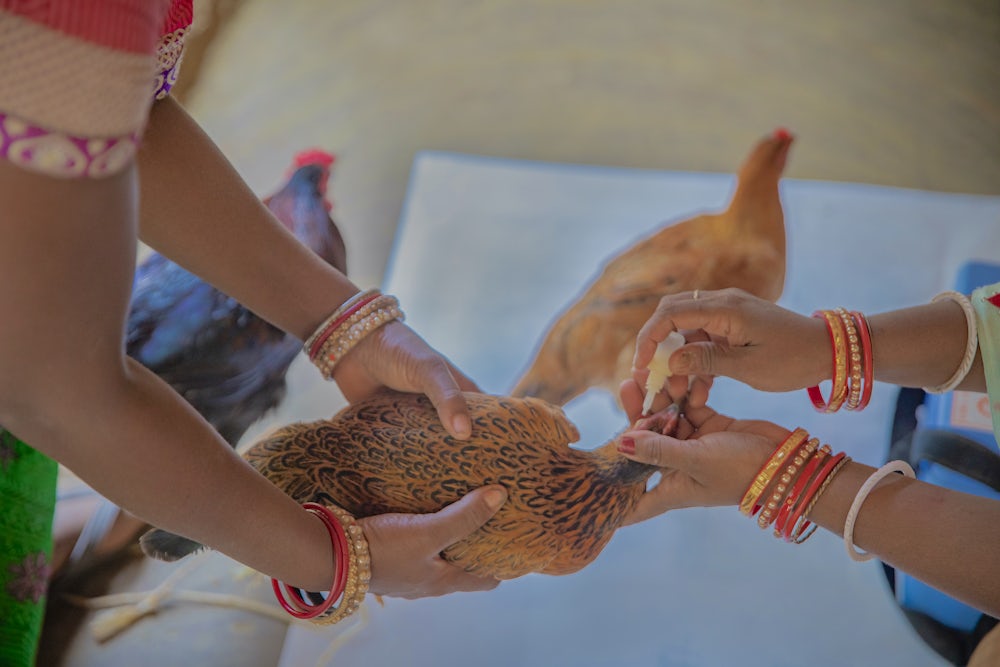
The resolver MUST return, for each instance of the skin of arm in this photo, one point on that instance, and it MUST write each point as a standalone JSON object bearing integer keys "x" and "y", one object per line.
{"x": 943, "y": 537}
{"x": 69, "y": 391}
{"x": 196, "y": 210}
{"x": 68, "y": 253}
{"x": 922, "y": 346}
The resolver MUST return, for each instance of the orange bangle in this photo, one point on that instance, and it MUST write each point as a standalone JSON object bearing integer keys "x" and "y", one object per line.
{"x": 838, "y": 338}
{"x": 807, "y": 474}
{"x": 763, "y": 477}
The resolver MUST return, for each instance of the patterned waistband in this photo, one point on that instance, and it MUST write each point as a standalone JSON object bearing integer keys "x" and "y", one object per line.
{"x": 70, "y": 107}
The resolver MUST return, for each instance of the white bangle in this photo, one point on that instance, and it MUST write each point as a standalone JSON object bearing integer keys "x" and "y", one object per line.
{"x": 866, "y": 488}
{"x": 971, "y": 342}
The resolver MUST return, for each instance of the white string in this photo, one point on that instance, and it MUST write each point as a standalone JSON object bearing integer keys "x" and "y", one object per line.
{"x": 866, "y": 488}
{"x": 971, "y": 342}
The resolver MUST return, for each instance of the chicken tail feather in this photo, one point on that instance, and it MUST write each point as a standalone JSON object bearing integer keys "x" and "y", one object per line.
{"x": 163, "y": 545}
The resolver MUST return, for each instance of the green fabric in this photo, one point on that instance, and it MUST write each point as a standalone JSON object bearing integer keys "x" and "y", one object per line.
{"x": 27, "y": 503}
{"x": 985, "y": 301}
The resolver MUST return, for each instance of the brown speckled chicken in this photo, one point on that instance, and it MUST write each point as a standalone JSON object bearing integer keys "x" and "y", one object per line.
{"x": 592, "y": 343}
{"x": 390, "y": 453}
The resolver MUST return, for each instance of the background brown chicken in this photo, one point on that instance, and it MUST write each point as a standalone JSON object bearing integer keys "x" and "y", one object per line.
{"x": 390, "y": 453}
{"x": 592, "y": 343}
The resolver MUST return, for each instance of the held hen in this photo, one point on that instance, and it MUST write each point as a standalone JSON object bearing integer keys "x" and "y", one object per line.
{"x": 591, "y": 344}
{"x": 227, "y": 362}
{"x": 390, "y": 453}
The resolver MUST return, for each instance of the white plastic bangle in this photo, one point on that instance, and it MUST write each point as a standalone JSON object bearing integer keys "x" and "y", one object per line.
{"x": 866, "y": 488}
{"x": 971, "y": 342}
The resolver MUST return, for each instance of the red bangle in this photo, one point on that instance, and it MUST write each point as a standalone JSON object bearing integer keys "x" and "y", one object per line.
{"x": 804, "y": 501}
{"x": 838, "y": 393}
{"x": 780, "y": 485}
{"x": 355, "y": 307}
{"x": 290, "y": 598}
{"x": 868, "y": 361}
{"x": 800, "y": 485}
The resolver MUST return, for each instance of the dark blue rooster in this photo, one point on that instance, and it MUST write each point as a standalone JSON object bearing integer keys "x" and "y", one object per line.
{"x": 227, "y": 362}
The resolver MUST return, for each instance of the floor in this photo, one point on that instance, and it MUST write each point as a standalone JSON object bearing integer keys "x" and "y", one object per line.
{"x": 899, "y": 93}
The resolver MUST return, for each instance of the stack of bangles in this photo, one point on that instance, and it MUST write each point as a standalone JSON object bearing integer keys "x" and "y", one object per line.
{"x": 789, "y": 484}
{"x": 353, "y": 572}
{"x": 355, "y": 319}
{"x": 853, "y": 367}
{"x": 791, "y": 481}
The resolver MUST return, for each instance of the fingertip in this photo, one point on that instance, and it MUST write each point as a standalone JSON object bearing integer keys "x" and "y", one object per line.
{"x": 681, "y": 362}
{"x": 699, "y": 392}
{"x": 494, "y": 497}
{"x": 454, "y": 412}
{"x": 461, "y": 426}
{"x": 645, "y": 346}
{"x": 630, "y": 396}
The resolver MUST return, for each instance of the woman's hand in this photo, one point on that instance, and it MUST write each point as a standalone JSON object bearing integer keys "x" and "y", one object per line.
{"x": 395, "y": 356}
{"x": 711, "y": 462}
{"x": 733, "y": 333}
{"x": 406, "y": 548}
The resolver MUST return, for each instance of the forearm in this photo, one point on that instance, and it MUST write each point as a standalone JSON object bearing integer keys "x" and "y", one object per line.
{"x": 922, "y": 346}
{"x": 947, "y": 539}
{"x": 196, "y": 210}
{"x": 172, "y": 470}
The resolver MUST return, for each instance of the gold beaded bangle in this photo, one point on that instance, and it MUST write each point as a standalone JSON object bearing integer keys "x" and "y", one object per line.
{"x": 784, "y": 483}
{"x": 343, "y": 308}
{"x": 792, "y": 500}
{"x": 380, "y": 311}
{"x": 770, "y": 467}
{"x": 854, "y": 366}
{"x": 323, "y": 354}
{"x": 359, "y": 573}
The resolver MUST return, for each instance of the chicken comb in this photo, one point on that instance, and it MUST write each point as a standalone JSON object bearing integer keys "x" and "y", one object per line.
{"x": 313, "y": 156}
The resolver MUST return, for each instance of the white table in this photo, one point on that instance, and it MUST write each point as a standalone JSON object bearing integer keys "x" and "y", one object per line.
{"x": 488, "y": 252}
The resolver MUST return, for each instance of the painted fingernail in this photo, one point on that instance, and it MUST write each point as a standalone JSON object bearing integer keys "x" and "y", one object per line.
{"x": 626, "y": 446}
{"x": 674, "y": 410}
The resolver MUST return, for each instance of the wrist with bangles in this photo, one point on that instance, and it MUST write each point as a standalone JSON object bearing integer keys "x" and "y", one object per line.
{"x": 794, "y": 477}
{"x": 789, "y": 483}
{"x": 352, "y": 572}
{"x": 348, "y": 325}
{"x": 853, "y": 363}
